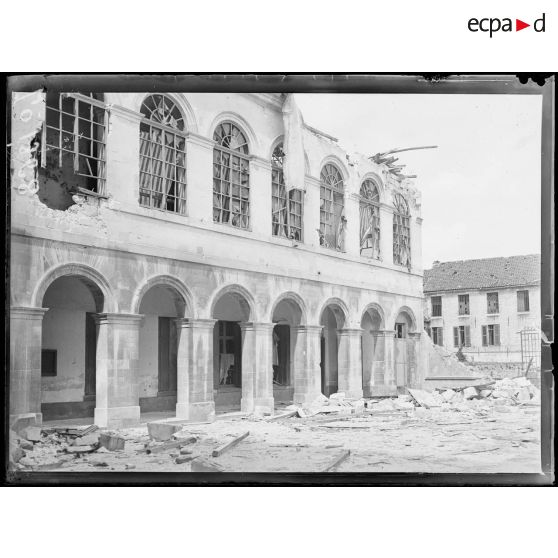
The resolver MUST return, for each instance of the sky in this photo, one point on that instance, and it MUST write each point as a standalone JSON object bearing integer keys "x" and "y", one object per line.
{"x": 480, "y": 189}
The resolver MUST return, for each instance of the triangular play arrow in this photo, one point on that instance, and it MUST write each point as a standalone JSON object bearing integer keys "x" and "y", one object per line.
{"x": 519, "y": 25}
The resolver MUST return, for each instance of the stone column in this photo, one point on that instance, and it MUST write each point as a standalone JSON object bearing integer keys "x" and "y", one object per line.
{"x": 389, "y": 356}
{"x": 384, "y": 373}
{"x": 117, "y": 393}
{"x": 26, "y": 327}
{"x": 257, "y": 368}
{"x": 307, "y": 373}
{"x": 413, "y": 379}
{"x": 194, "y": 390}
{"x": 349, "y": 362}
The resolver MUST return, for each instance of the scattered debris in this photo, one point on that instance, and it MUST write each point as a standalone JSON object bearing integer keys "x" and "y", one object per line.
{"x": 185, "y": 458}
{"x": 32, "y": 433}
{"x": 225, "y": 447}
{"x": 200, "y": 465}
{"x": 162, "y": 431}
{"x": 112, "y": 442}
{"x": 424, "y": 398}
{"x": 286, "y": 415}
{"x": 335, "y": 462}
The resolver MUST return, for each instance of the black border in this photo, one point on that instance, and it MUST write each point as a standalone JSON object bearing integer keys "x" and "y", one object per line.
{"x": 402, "y": 83}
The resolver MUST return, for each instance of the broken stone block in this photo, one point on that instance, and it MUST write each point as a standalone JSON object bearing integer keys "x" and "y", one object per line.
{"x": 16, "y": 453}
{"x": 112, "y": 442}
{"x": 32, "y": 433}
{"x": 23, "y": 422}
{"x": 162, "y": 431}
{"x": 185, "y": 459}
{"x": 27, "y": 462}
{"x": 485, "y": 393}
{"x": 339, "y": 396}
{"x": 384, "y": 405}
{"x": 87, "y": 440}
{"x": 470, "y": 393}
{"x": 403, "y": 405}
{"x": 26, "y": 445}
{"x": 200, "y": 465}
{"x": 524, "y": 395}
{"x": 448, "y": 395}
{"x": 185, "y": 451}
{"x": 522, "y": 382}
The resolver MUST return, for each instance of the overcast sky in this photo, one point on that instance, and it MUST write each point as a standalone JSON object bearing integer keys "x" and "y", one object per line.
{"x": 480, "y": 188}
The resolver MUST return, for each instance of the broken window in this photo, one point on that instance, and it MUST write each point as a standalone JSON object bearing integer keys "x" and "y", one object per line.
{"x": 492, "y": 306}
{"x": 463, "y": 304}
{"x": 523, "y": 301}
{"x": 231, "y": 186}
{"x": 332, "y": 208}
{"x": 162, "y": 155}
{"x": 401, "y": 231}
{"x": 286, "y": 210}
{"x": 73, "y": 154}
{"x": 438, "y": 335}
{"x": 436, "y": 302}
{"x": 462, "y": 336}
{"x": 490, "y": 335}
{"x": 369, "y": 220}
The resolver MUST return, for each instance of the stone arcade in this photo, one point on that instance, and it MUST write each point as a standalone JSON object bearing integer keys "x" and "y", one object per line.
{"x": 158, "y": 262}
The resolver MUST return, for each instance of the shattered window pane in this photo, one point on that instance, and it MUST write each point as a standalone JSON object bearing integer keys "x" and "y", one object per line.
{"x": 492, "y": 303}
{"x": 286, "y": 216}
{"x": 332, "y": 218}
{"x": 74, "y": 139}
{"x": 436, "y": 306}
{"x": 162, "y": 156}
{"x": 401, "y": 231}
{"x": 231, "y": 187}
{"x": 523, "y": 301}
{"x": 370, "y": 220}
{"x": 463, "y": 304}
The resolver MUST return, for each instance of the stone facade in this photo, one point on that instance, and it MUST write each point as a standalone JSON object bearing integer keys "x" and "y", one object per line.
{"x": 137, "y": 271}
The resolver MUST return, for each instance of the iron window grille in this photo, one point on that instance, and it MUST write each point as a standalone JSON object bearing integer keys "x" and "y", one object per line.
{"x": 490, "y": 335}
{"x": 369, "y": 220}
{"x": 492, "y": 305}
{"x": 463, "y": 304}
{"x": 231, "y": 185}
{"x": 523, "y": 301}
{"x": 162, "y": 155}
{"x": 74, "y": 136}
{"x": 438, "y": 336}
{"x": 401, "y": 231}
{"x": 436, "y": 302}
{"x": 332, "y": 208}
{"x": 286, "y": 211}
{"x": 462, "y": 336}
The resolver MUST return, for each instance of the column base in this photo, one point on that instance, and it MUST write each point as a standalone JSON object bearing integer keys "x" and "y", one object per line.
{"x": 22, "y": 420}
{"x": 353, "y": 393}
{"x": 260, "y": 406}
{"x": 306, "y": 398}
{"x": 196, "y": 412}
{"x": 383, "y": 391}
{"x": 117, "y": 417}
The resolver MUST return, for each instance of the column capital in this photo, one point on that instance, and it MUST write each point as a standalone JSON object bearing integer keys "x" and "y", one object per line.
{"x": 261, "y": 326}
{"x": 114, "y": 318}
{"x": 196, "y": 323}
{"x": 27, "y": 312}
{"x": 385, "y": 332}
{"x": 309, "y": 328}
{"x": 350, "y": 331}
{"x": 414, "y": 334}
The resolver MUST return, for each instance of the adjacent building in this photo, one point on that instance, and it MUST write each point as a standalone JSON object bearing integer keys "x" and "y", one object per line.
{"x": 488, "y": 308}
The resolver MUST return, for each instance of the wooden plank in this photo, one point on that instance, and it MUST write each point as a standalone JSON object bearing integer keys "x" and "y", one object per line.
{"x": 288, "y": 414}
{"x": 336, "y": 461}
{"x": 226, "y": 447}
{"x": 168, "y": 445}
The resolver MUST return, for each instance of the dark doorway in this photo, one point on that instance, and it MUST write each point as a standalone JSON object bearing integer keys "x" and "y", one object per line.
{"x": 167, "y": 356}
{"x": 90, "y": 356}
{"x": 229, "y": 354}
{"x": 322, "y": 362}
{"x": 281, "y": 354}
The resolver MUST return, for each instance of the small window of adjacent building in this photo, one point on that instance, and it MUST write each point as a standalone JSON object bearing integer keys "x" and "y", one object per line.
{"x": 286, "y": 209}
{"x": 400, "y": 330}
{"x": 231, "y": 177}
{"x": 48, "y": 362}
{"x": 438, "y": 336}
{"x": 401, "y": 231}
{"x": 463, "y": 301}
{"x": 162, "y": 155}
{"x": 523, "y": 301}
{"x": 490, "y": 335}
{"x": 332, "y": 208}
{"x": 369, "y": 220}
{"x": 492, "y": 303}
{"x": 462, "y": 336}
{"x": 436, "y": 302}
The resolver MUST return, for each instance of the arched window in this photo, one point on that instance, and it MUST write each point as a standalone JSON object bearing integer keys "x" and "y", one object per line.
{"x": 369, "y": 219}
{"x": 286, "y": 216}
{"x": 401, "y": 231}
{"x": 162, "y": 155}
{"x": 231, "y": 185}
{"x": 332, "y": 218}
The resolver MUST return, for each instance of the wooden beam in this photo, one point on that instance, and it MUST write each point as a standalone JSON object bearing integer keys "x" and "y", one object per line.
{"x": 336, "y": 462}
{"x": 226, "y": 447}
{"x": 289, "y": 414}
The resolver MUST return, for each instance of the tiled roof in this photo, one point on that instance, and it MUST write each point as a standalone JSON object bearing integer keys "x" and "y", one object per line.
{"x": 489, "y": 273}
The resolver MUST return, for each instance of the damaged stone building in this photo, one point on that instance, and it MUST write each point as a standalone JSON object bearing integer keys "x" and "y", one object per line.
{"x": 488, "y": 308}
{"x": 161, "y": 261}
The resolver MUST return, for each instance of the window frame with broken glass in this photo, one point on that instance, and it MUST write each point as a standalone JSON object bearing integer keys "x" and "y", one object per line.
{"x": 162, "y": 155}
{"x": 401, "y": 231}
{"x": 231, "y": 158}
{"x": 332, "y": 208}
{"x": 369, "y": 209}
{"x": 286, "y": 207}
